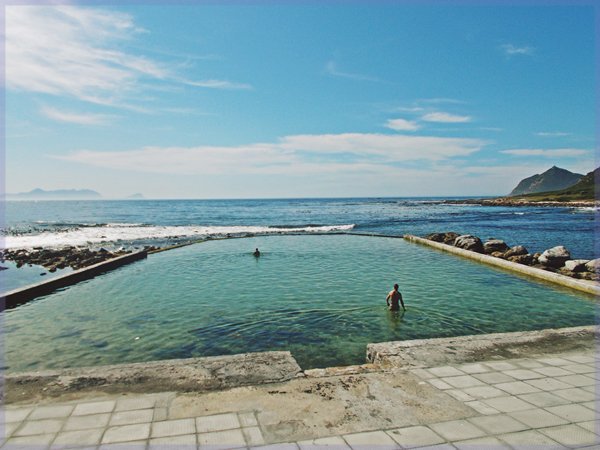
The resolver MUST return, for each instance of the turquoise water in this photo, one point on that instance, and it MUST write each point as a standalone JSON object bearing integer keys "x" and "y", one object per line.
{"x": 321, "y": 297}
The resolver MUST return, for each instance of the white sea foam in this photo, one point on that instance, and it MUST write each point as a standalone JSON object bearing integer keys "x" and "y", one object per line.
{"x": 113, "y": 232}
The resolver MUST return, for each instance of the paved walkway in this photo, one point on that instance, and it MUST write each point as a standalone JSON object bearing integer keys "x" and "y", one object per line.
{"x": 545, "y": 402}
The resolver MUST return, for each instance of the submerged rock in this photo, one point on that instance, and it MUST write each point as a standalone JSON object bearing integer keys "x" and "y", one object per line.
{"x": 469, "y": 242}
{"x": 494, "y": 245}
{"x": 555, "y": 257}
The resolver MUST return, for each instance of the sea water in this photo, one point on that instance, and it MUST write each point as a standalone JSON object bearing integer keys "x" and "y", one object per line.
{"x": 321, "y": 297}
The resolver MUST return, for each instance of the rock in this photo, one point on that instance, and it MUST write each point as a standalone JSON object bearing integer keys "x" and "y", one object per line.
{"x": 469, "y": 242}
{"x": 576, "y": 265}
{"x": 588, "y": 276}
{"x": 555, "y": 257}
{"x": 498, "y": 254}
{"x": 522, "y": 259}
{"x": 516, "y": 251}
{"x": 494, "y": 245}
{"x": 593, "y": 266}
{"x": 3, "y": 268}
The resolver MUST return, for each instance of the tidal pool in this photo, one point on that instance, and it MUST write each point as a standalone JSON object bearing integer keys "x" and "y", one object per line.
{"x": 321, "y": 297}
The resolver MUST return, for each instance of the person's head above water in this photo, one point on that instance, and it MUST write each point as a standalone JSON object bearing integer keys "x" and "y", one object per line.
{"x": 395, "y": 287}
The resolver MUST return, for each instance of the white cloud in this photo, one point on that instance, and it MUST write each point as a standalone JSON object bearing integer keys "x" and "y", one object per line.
{"x": 74, "y": 51}
{"x": 290, "y": 154}
{"x": 77, "y": 118}
{"x": 402, "y": 125}
{"x": 332, "y": 69}
{"x": 547, "y": 153}
{"x": 552, "y": 133}
{"x": 443, "y": 117}
{"x": 510, "y": 50}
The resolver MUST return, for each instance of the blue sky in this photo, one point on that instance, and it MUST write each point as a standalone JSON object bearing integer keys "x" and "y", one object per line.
{"x": 296, "y": 100}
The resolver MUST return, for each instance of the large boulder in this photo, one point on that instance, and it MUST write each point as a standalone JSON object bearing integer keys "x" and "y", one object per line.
{"x": 522, "y": 259}
{"x": 494, "y": 245}
{"x": 517, "y": 250}
{"x": 555, "y": 257}
{"x": 446, "y": 238}
{"x": 593, "y": 265}
{"x": 576, "y": 265}
{"x": 469, "y": 242}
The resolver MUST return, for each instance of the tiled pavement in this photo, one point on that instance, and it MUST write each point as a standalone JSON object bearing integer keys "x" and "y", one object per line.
{"x": 535, "y": 403}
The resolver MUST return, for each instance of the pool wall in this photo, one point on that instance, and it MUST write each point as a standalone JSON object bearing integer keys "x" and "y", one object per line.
{"x": 590, "y": 287}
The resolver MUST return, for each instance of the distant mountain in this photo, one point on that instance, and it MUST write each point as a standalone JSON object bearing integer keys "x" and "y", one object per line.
{"x": 59, "y": 194}
{"x": 584, "y": 189}
{"x": 553, "y": 179}
{"x": 136, "y": 196}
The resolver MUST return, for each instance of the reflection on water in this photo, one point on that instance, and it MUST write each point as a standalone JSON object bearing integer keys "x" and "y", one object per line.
{"x": 321, "y": 297}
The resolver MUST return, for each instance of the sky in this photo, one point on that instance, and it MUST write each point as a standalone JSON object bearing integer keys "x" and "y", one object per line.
{"x": 305, "y": 99}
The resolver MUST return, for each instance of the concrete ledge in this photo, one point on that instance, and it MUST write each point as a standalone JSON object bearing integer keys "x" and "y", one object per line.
{"x": 182, "y": 375}
{"x": 590, "y": 287}
{"x": 461, "y": 349}
{"x": 23, "y": 295}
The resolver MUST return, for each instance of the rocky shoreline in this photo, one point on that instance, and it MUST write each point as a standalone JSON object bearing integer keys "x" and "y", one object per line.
{"x": 556, "y": 259}
{"x": 505, "y": 201}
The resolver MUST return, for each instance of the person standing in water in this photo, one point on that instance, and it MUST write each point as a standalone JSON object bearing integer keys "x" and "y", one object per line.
{"x": 396, "y": 299}
{"x": 256, "y": 253}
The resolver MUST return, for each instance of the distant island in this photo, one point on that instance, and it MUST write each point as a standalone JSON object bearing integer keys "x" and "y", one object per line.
{"x": 582, "y": 190}
{"x": 59, "y": 194}
{"x": 553, "y": 179}
{"x": 136, "y": 196}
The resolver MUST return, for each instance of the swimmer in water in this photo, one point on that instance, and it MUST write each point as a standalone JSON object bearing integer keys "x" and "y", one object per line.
{"x": 256, "y": 253}
{"x": 396, "y": 299}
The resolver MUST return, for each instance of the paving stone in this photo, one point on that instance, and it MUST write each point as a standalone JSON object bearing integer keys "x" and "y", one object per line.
{"x": 78, "y": 438}
{"x": 591, "y": 389}
{"x": 577, "y": 380}
{"x": 94, "y": 408}
{"x": 538, "y": 418}
{"x": 445, "y": 371}
{"x": 84, "y": 422}
{"x": 580, "y": 368}
{"x": 333, "y": 443}
{"x": 591, "y": 425}
{"x": 9, "y": 429}
{"x": 500, "y": 365}
{"x": 417, "y": 436}
{"x": 253, "y": 436}
{"x": 580, "y": 359}
{"x": 16, "y": 414}
{"x": 496, "y": 424}
{"x": 126, "y": 433}
{"x": 131, "y": 445}
{"x": 474, "y": 368}
{"x": 543, "y": 399}
{"x": 131, "y": 403}
{"x": 173, "y": 428}
{"x": 548, "y": 384}
{"x": 482, "y": 408}
{"x": 487, "y": 442}
{"x": 552, "y": 371}
{"x": 217, "y": 422}
{"x": 517, "y": 387}
{"x": 529, "y": 439}
{"x": 437, "y": 447}
{"x": 29, "y": 442}
{"x": 528, "y": 364}
{"x": 46, "y": 426}
{"x": 508, "y": 404}
{"x": 131, "y": 417}
{"x": 456, "y": 430}
{"x": 51, "y": 412}
{"x": 423, "y": 374}
{"x": 523, "y": 374}
{"x": 493, "y": 377}
{"x": 222, "y": 440}
{"x": 576, "y": 395}
{"x": 463, "y": 381}
{"x": 592, "y": 405}
{"x": 174, "y": 442}
{"x": 371, "y": 439}
{"x": 571, "y": 435}
{"x": 248, "y": 419}
{"x": 572, "y": 413}
{"x": 555, "y": 361}
{"x": 279, "y": 446}
{"x": 160, "y": 414}
{"x": 480, "y": 392}
{"x": 459, "y": 395}
{"x": 435, "y": 382}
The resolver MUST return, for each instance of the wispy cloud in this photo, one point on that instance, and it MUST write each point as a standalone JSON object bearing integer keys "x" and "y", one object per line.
{"x": 77, "y": 118}
{"x": 75, "y": 51}
{"x": 443, "y": 117}
{"x": 552, "y": 134}
{"x": 290, "y": 154}
{"x": 402, "y": 125}
{"x": 547, "y": 153}
{"x": 331, "y": 68}
{"x": 511, "y": 50}
{"x": 439, "y": 100}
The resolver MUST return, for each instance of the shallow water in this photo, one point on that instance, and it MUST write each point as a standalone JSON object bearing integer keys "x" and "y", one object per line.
{"x": 321, "y": 297}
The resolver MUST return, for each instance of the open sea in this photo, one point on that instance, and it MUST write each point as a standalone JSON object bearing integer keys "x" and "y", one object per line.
{"x": 320, "y": 296}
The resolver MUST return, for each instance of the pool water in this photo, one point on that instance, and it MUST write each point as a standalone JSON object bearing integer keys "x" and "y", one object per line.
{"x": 321, "y": 297}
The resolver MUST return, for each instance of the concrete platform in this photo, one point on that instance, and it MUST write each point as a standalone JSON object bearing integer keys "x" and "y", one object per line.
{"x": 539, "y": 398}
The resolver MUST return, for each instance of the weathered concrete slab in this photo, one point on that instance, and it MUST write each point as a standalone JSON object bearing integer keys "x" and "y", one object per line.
{"x": 436, "y": 352}
{"x": 23, "y": 295}
{"x": 183, "y": 375}
{"x": 591, "y": 287}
